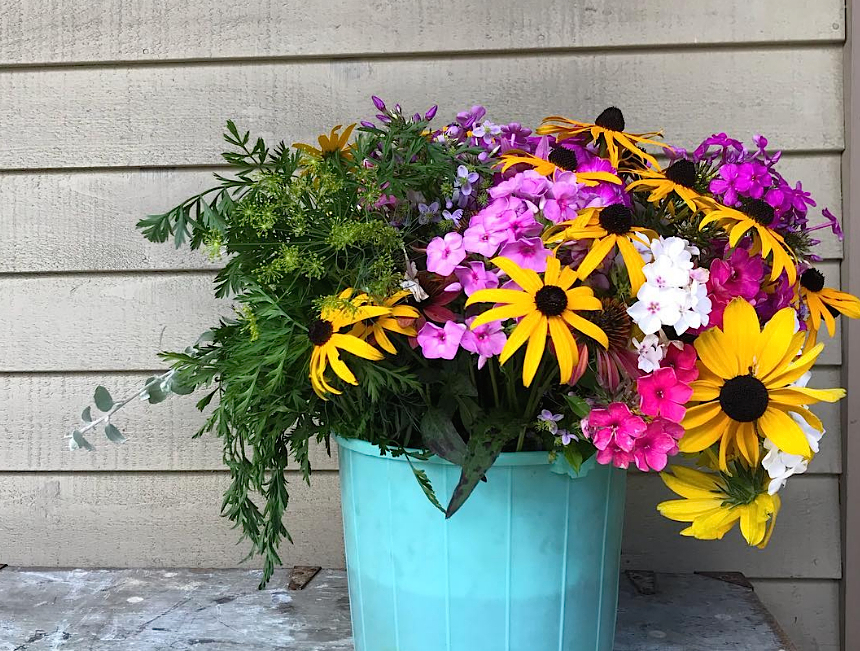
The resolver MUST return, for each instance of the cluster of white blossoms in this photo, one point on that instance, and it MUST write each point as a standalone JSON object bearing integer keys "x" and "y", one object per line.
{"x": 674, "y": 293}
{"x": 781, "y": 465}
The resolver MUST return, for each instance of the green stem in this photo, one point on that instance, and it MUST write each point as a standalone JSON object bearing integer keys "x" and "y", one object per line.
{"x": 494, "y": 382}
{"x": 522, "y": 439}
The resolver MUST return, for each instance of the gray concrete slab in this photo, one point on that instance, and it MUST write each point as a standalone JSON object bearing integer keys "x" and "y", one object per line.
{"x": 221, "y": 610}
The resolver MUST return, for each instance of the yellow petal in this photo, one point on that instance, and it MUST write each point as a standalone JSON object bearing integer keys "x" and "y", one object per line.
{"x": 340, "y": 369}
{"x": 698, "y": 438}
{"x": 586, "y": 327}
{"x": 753, "y": 521}
{"x": 510, "y": 296}
{"x": 742, "y": 334}
{"x": 783, "y": 431}
{"x": 776, "y": 337}
{"x": 804, "y": 395}
{"x": 513, "y": 311}
{"x": 701, "y": 414}
{"x": 703, "y": 391}
{"x": 534, "y": 351}
{"x": 565, "y": 347}
{"x": 525, "y": 278}
{"x": 687, "y": 510}
{"x": 599, "y": 250}
{"x": 714, "y": 354}
{"x": 519, "y": 336}
{"x": 553, "y": 268}
{"x": 355, "y": 346}
{"x": 633, "y": 262}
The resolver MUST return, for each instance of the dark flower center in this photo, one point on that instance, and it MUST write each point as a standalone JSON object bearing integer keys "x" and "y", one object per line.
{"x": 612, "y": 119}
{"x": 563, "y": 158}
{"x": 744, "y": 398}
{"x": 614, "y": 321}
{"x": 812, "y": 279}
{"x": 551, "y": 300}
{"x": 320, "y": 331}
{"x": 759, "y": 211}
{"x": 682, "y": 172}
{"x": 616, "y": 219}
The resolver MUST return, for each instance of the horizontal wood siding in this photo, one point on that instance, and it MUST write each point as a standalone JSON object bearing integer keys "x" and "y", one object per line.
{"x": 78, "y": 31}
{"x": 112, "y": 110}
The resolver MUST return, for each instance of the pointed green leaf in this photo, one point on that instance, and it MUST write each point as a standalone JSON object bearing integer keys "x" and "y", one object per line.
{"x": 113, "y": 434}
{"x": 578, "y": 406}
{"x": 441, "y": 436}
{"x": 103, "y": 399}
{"x": 483, "y": 449}
{"x": 87, "y": 415}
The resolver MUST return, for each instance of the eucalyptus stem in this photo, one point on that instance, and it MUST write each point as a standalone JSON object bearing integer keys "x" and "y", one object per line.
{"x": 105, "y": 418}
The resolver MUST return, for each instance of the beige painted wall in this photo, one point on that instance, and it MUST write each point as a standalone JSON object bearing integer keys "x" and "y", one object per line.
{"x": 110, "y": 110}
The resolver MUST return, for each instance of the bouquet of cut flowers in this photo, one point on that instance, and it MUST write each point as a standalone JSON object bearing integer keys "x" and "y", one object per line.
{"x": 481, "y": 288}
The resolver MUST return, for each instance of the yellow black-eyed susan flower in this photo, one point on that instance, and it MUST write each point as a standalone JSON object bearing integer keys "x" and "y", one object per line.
{"x": 713, "y": 503}
{"x": 679, "y": 178}
{"x": 823, "y": 301}
{"x": 755, "y": 215}
{"x": 747, "y": 388}
{"x": 546, "y": 306}
{"x": 610, "y": 126}
{"x": 328, "y": 340}
{"x": 333, "y": 142}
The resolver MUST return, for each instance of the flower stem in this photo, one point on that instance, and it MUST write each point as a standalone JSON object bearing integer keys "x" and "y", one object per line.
{"x": 492, "y": 365}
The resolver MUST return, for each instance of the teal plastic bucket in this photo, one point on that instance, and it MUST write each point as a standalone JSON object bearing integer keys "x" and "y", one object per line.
{"x": 529, "y": 563}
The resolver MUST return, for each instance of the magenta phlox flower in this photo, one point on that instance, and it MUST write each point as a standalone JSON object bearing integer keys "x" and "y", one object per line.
{"x": 749, "y": 179}
{"x": 727, "y": 149}
{"x": 474, "y": 276}
{"x": 682, "y": 359}
{"x": 615, "y": 425}
{"x": 653, "y": 448}
{"x": 441, "y": 343}
{"x": 445, "y": 253}
{"x": 487, "y": 340}
{"x": 776, "y": 296}
{"x": 527, "y": 184}
{"x": 562, "y": 202}
{"x": 662, "y": 394}
{"x": 528, "y": 253}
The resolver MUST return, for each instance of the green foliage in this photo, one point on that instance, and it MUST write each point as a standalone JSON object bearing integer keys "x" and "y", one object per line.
{"x": 295, "y": 231}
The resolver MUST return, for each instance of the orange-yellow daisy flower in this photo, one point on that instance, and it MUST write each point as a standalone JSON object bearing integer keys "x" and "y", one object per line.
{"x": 610, "y": 126}
{"x": 547, "y": 306}
{"x": 328, "y": 340}
{"x": 608, "y": 227}
{"x": 712, "y": 507}
{"x": 747, "y": 387}
{"x": 823, "y": 301}
{"x": 679, "y": 178}
{"x": 333, "y": 142}
{"x": 559, "y": 158}
{"x": 756, "y": 215}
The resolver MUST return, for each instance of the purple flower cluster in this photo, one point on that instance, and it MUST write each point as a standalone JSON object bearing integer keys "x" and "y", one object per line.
{"x": 751, "y": 174}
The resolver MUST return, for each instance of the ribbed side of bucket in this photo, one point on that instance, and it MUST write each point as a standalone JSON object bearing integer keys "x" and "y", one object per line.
{"x": 529, "y": 563}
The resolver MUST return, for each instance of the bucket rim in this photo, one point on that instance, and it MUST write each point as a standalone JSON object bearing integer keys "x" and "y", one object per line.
{"x": 540, "y": 458}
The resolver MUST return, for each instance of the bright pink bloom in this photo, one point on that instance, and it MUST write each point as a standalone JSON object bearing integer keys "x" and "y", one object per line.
{"x": 613, "y": 454}
{"x": 478, "y": 239}
{"x": 561, "y": 203}
{"x": 529, "y": 253}
{"x": 486, "y": 340}
{"x": 682, "y": 360}
{"x": 441, "y": 343}
{"x": 525, "y": 185}
{"x": 663, "y": 395}
{"x": 614, "y": 426}
{"x": 660, "y": 441}
{"x": 474, "y": 276}
{"x": 443, "y": 254}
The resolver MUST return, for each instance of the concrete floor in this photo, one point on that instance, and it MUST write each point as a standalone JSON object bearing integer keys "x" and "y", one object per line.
{"x": 221, "y": 610}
